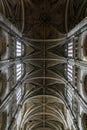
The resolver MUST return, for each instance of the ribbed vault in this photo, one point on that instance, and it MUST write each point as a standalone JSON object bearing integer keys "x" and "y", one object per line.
{"x": 44, "y": 18}
{"x": 44, "y": 103}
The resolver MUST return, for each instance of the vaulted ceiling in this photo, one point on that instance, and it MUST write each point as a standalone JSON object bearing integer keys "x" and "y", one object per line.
{"x": 44, "y": 18}
{"x": 43, "y": 23}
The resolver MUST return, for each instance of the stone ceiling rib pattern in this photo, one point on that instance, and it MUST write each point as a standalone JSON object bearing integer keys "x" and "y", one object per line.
{"x": 44, "y": 105}
{"x": 31, "y": 17}
{"x": 44, "y": 98}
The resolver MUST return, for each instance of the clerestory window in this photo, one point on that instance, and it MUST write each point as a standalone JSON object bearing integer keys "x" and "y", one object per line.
{"x": 19, "y": 71}
{"x": 70, "y": 72}
{"x": 70, "y": 49}
{"x": 18, "y": 94}
{"x": 19, "y": 49}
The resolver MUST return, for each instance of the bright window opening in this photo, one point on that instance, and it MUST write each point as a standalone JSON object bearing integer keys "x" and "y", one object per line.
{"x": 69, "y": 96}
{"x": 19, "y": 49}
{"x": 18, "y": 71}
{"x": 18, "y": 95}
{"x": 70, "y": 72}
{"x": 70, "y": 79}
{"x": 70, "y": 49}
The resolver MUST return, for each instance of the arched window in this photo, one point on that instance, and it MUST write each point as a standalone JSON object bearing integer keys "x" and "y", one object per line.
{"x": 69, "y": 91}
{"x": 69, "y": 95}
{"x": 19, "y": 75}
{"x": 70, "y": 49}
{"x": 70, "y": 72}
{"x": 19, "y": 94}
{"x": 19, "y": 49}
{"x": 19, "y": 71}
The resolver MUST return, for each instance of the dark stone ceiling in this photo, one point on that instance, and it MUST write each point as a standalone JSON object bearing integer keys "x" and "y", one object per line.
{"x": 51, "y": 18}
{"x": 44, "y": 18}
{"x": 45, "y": 61}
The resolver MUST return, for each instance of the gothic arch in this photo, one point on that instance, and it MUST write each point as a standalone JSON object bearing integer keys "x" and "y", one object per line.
{"x": 3, "y": 121}
{"x": 3, "y": 85}
{"x": 84, "y": 121}
{"x": 85, "y": 46}
{"x": 85, "y": 85}
{"x": 2, "y": 43}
